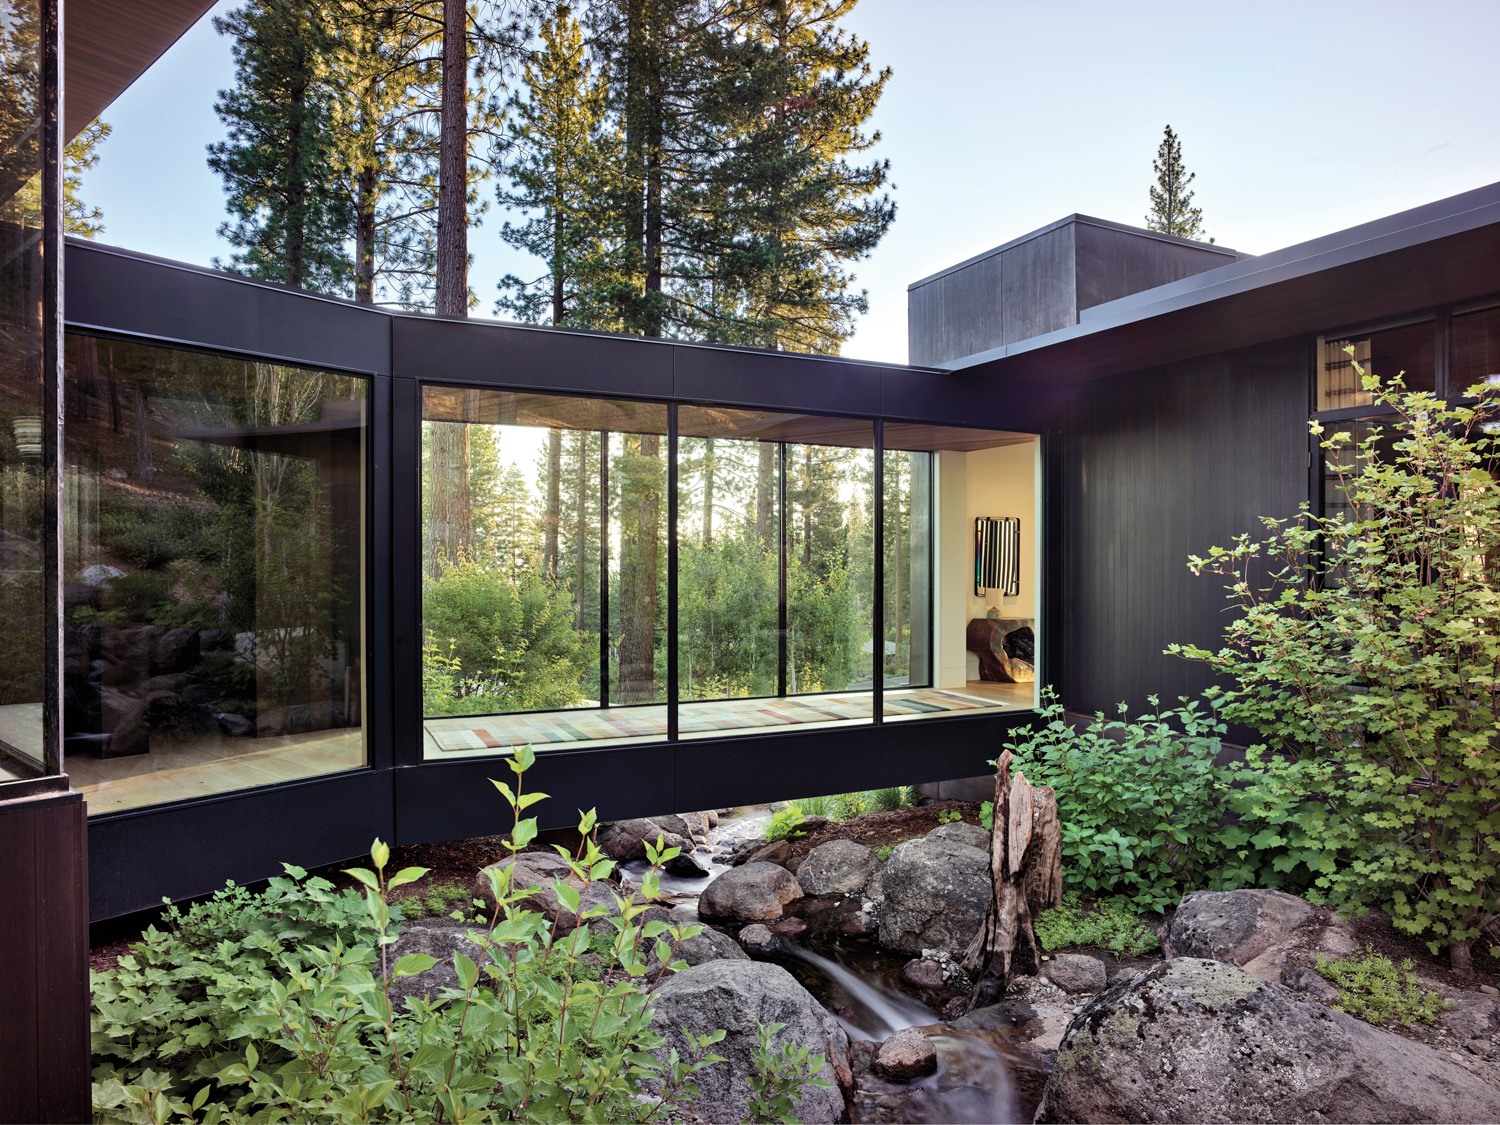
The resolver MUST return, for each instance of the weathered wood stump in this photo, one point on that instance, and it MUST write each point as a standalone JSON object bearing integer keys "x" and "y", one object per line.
{"x": 1026, "y": 867}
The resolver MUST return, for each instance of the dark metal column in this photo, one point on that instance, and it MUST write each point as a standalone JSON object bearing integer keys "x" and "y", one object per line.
{"x": 877, "y": 649}
{"x": 781, "y": 569}
{"x": 672, "y": 685}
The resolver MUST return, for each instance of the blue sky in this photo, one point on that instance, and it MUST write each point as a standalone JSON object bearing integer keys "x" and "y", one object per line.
{"x": 1298, "y": 118}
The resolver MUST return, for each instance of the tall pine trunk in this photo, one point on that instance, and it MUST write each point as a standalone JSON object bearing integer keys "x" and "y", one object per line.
{"x": 449, "y": 520}
{"x": 708, "y": 493}
{"x": 364, "y": 235}
{"x": 552, "y": 516}
{"x": 640, "y": 547}
{"x": 452, "y": 281}
{"x": 765, "y": 496}
{"x": 807, "y": 507}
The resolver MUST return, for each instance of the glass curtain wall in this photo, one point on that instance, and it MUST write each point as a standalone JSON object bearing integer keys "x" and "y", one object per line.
{"x": 544, "y": 559}
{"x": 214, "y": 546}
{"x": 27, "y": 488}
{"x": 1409, "y": 351}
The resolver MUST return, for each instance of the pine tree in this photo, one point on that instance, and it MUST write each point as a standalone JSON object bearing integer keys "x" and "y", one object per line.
{"x": 280, "y": 163}
{"x": 557, "y": 152}
{"x": 81, "y": 154}
{"x": 1172, "y": 210}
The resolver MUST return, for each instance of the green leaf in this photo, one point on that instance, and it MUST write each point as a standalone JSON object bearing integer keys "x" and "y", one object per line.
{"x": 412, "y": 964}
{"x": 406, "y": 875}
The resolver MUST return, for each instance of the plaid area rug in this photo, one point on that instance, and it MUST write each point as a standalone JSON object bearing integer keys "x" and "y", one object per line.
{"x": 500, "y": 732}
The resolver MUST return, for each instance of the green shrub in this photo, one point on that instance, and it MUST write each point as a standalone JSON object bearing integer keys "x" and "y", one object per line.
{"x": 780, "y": 1074}
{"x": 1145, "y": 810}
{"x": 1366, "y": 651}
{"x": 437, "y": 900}
{"x": 1374, "y": 989}
{"x": 847, "y": 806}
{"x": 149, "y": 535}
{"x": 315, "y": 1036}
{"x": 785, "y": 824}
{"x": 1105, "y": 925}
{"x": 951, "y": 816}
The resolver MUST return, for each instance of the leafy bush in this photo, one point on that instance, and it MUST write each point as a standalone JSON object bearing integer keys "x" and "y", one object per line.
{"x": 1145, "y": 809}
{"x": 953, "y": 816}
{"x": 149, "y": 535}
{"x": 1367, "y": 652}
{"x": 496, "y": 642}
{"x": 847, "y": 806}
{"x": 780, "y": 1074}
{"x": 1103, "y": 924}
{"x": 785, "y": 824}
{"x": 278, "y": 1007}
{"x": 1375, "y": 990}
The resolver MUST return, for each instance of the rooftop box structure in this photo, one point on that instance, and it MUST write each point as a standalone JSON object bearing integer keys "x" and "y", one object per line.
{"x": 1043, "y": 281}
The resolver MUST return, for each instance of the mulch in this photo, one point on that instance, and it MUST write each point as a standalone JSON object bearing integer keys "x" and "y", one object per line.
{"x": 874, "y": 830}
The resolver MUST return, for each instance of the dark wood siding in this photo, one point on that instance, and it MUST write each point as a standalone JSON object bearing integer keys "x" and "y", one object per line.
{"x": 1156, "y": 466}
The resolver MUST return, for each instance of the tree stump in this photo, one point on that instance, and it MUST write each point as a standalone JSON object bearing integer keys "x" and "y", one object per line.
{"x": 1026, "y": 868}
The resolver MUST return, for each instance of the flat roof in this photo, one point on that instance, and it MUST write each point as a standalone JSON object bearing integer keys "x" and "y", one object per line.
{"x": 1429, "y": 256}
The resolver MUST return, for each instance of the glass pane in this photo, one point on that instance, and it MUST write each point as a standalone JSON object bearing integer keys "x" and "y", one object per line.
{"x": 729, "y": 562}
{"x": 980, "y": 501}
{"x": 521, "y": 566}
{"x": 1476, "y": 349}
{"x": 908, "y": 566}
{"x": 23, "y": 617}
{"x": 214, "y": 553}
{"x": 1409, "y": 352}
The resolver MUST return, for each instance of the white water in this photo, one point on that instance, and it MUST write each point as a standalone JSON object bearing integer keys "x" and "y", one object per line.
{"x": 880, "y": 1012}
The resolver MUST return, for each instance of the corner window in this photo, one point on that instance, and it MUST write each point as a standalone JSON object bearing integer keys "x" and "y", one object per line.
{"x": 215, "y": 580}
{"x": 1409, "y": 351}
{"x": 1476, "y": 349}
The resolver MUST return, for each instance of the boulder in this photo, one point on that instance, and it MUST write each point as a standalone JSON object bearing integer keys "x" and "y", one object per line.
{"x": 961, "y": 833}
{"x": 906, "y": 1055}
{"x": 924, "y": 974}
{"x": 1312, "y": 983}
{"x": 788, "y": 927}
{"x": 1473, "y": 1018}
{"x": 1076, "y": 972}
{"x": 626, "y": 839}
{"x": 935, "y": 893}
{"x": 673, "y": 824}
{"x": 437, "y": 938}
{"x": 756, "y": 892}
{"x": 710, "y": 945}
{"x": 858, "y": 923}
{"x": 758, "y": 938}
{"x": 688, "y": 865}
{"x": 839, "y": 867}
{"x": 738, "y": 996}
{"x": 540, "y": 869}
{"x": 697, "y": 824}
{"x": 777, "y": 852}
{"x": 1199, "y": 1040}
{"x": 1249, "y": 928}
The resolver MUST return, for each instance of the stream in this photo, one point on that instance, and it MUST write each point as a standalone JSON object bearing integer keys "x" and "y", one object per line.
{"x": 984, "y": 1074}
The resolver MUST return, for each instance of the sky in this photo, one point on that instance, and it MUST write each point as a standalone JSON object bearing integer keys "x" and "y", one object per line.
{"x": 1299, "y": 119}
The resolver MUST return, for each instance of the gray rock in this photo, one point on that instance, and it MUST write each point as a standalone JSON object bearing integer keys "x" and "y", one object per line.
{"x": 928, "y": 975}
{"x": 1312, "y": 983}
{"x": 1198, "y": 1040}
{"x": 777, "y": 852}
{"x": 756, "y": 892}
{"x": 539, "y": 869}
{"x": 626, "y": 839}
{"x": 1476, "y": 1018}
{"x": 737, "y": 996}
{"x": 710, "y": 945}
{"x": 688, "y": 865}
{"x": 906, "y": 1055}
{"x": 697, "y": 824}
{"x": 1249, "y": 928}
{"x": 961, "y": 833}
{"x": 440, "y": 939}
{"x": 673, "y": 824}
{"x": 758, "y": 937}
{"x": 935, "y": 892}
{"x": 1076, "y": 972}
{"x": 859, "y": 922}
{"x": 839, "y": 867}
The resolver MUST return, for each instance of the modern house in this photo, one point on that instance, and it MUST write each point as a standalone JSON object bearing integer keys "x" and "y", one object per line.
{"x": 223, "y": 516}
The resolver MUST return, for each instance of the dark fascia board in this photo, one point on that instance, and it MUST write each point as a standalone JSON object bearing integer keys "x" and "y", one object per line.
{"x": 1214, "y": 291}
{"x": 1085, "y": 220}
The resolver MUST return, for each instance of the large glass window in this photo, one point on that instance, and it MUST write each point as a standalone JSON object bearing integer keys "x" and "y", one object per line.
{"x": 544, "y": 570}
{"x": 1476, "y": 349}
{"x": 24, "y": 479}
{"x": 547, "y": 571}
{"x": 214, "y": 552}
{"x": 1409, "y": 351}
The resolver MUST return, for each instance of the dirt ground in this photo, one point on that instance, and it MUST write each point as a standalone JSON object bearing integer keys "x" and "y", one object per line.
{"x": 876, "y": 829}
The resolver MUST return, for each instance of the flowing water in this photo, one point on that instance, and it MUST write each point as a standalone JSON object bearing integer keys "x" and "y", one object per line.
{"x": 861, "y": 986}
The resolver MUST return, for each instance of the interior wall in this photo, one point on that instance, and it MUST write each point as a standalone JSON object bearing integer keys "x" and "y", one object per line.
{"x": 995, "y": 483}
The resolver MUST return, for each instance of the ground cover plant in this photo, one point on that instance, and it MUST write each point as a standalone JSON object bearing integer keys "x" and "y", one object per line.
{"x": 1375, "y": 989}
{"x": 1103, "y": 924}
{"x": 1366, "y": 652}
{"x": 278, "y": 1007}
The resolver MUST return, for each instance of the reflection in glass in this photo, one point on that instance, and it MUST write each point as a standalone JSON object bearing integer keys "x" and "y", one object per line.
{"x": 23, "y": 479}
{"x": 1476, "y": 349}
{"x": 214, "y": 543}
{"x": 543, "y": 517}
{"x": 908, "y": 562}
{"x": 1409, "y": 351}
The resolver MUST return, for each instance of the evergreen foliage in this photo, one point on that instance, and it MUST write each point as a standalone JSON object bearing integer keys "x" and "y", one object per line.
{"x": 79, "y": 155}
{"x": 1172, "y": 210}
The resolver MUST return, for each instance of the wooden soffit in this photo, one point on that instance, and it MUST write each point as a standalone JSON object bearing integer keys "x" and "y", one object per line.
{"x": 108, "y": 44}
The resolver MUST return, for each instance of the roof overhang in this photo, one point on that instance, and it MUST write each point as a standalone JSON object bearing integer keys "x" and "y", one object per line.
{"x": 1439, "y": 254}
{"x": 108, "y": 44}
